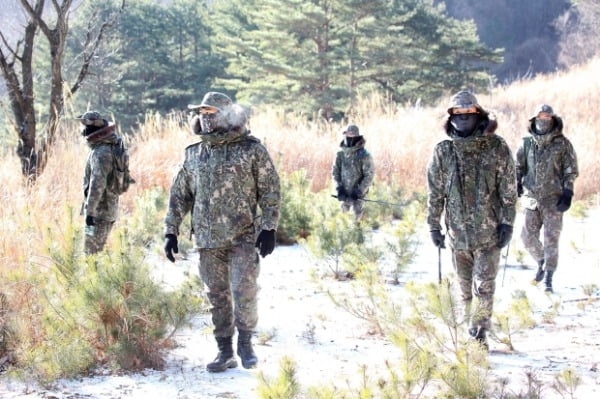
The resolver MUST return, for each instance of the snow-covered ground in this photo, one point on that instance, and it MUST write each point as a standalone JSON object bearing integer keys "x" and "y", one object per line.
{"x": 328, "y": 344}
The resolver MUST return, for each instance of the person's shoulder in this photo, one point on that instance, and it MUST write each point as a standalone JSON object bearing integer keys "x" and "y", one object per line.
{"x": 192, "y": 149}
{"x": 363, "y": 153}
{"x": 443, "y": 145}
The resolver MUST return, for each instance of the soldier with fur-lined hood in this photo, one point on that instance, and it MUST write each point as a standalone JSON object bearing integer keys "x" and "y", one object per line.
{"x": 546, "y": 171}
{"x": 471, "y": 179}
{"x": 353, "y": 171}
{"x": 223, "y": 181}
{"x": 101, "y": 200}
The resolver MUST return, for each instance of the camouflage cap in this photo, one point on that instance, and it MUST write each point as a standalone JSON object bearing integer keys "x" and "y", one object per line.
{"x": 213, "y": 99}
{"x": 542, "y": 108}
{"x": 464, "y": 99}
{"x": 91, "y": 118}
{"x": 351, "y": 131}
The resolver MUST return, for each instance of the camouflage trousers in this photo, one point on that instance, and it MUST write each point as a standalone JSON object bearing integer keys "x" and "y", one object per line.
{"x": 358, "y": 206}
{"x": 552, "y": 220}
{"x": 476, "y": 271}
{"x": 96, "y": 236}
{"x": 230, "y": 275}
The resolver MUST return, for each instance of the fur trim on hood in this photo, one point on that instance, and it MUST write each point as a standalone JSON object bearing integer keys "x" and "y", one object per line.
{"x": 487, "y": 125}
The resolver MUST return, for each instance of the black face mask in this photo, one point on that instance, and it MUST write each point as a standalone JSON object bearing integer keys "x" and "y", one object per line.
{"x": 352, "y": 141}
{"x": 543, "y": 126}
{"x": 464, "y": 124}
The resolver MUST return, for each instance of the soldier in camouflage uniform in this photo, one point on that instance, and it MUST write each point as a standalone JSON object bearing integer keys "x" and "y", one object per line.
{"x": 101, "y": 203}
{"x": 546, "y": 169}
{"x": 471, "y": 177}
{"x": 223, "y": 180}
{"x": 353, "y": 171}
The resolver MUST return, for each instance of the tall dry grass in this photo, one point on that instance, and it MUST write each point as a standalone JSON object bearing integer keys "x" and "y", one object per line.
{"x": 400, "y": 137}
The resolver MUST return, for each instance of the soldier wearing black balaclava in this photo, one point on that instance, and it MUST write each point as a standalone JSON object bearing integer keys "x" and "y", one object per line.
{"x": 546, "y": 171}
{"x": 471, "y": 180}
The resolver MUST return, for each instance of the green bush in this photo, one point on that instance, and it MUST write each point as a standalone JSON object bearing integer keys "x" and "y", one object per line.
{"x": 296, "y": 212}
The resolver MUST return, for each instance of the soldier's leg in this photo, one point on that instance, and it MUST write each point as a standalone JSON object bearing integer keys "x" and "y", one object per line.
{"x": 346, "y": 205}
{"x": 215, "y": 273}
{"x": 530, "y": 234}
{"x": 245, "y": 269}
{"x": 553, "y": 222}
{"x": 485, "y": 270}
{"x": 463, "y": 264}
{"x": 94, "y": 243}
{"x": 359, "y": 209}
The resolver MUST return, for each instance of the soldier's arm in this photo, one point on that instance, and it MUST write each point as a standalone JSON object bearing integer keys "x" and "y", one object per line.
{"x": 368, "y": 170}
{"x": 268, "y": 189}
{"x": 435, "y": 185}
{"x": 506, "y": 184}
{"x": 181, "y": 200}
{"x": 336, "y": 172}
{"x": 521, "y": 163}
{"x": 101, "y": 164}
{"x": 570, "y": 168}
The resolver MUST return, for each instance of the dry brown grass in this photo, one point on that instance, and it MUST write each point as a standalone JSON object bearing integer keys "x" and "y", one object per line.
{"x": 399, "y": 137}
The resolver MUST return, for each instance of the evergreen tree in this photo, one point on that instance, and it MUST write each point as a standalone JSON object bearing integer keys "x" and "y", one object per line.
{"x": 319, "y": 54}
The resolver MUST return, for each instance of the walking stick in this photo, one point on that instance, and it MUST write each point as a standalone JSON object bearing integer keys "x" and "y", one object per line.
{"x": 505, "y": 262}
{"x": 440, "y": 265}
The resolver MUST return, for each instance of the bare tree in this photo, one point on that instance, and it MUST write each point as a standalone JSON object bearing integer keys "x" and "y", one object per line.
{"x": 17, "y": 70}
{"x": 580, "y": 33}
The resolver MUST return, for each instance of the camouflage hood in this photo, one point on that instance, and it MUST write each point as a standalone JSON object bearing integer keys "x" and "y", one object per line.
{"x": 487, "y": 125}
{"x": 543, "y": 139}
{"x": 106, "y": 135}
{"x": 360, "y": 144}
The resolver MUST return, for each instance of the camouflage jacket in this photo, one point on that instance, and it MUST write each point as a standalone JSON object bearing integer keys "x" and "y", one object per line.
{"x": 353, "y": 168}
{"x": 221, "y": 183}
{"x": 473, "y": 180}
{"x": 546, "y": 164}
{"x": 100, "y": 201}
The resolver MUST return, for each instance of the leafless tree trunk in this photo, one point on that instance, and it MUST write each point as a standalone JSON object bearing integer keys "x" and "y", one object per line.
{"x": 16, "y": 65}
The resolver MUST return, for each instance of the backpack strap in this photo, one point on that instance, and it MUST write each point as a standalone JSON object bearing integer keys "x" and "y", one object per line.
{"x": 526, "y": 148}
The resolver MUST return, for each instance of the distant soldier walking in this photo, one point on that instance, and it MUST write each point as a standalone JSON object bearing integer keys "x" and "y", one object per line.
{"x": 223, "y": 181}
{"x": 353, "y": 171}
{"x": 99, "y": 186}
{"x": 471, "y": 177}
{"x": 546, "y": 170}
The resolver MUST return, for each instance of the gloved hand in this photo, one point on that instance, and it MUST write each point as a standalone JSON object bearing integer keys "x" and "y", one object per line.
{"x": 342, "y": 195}
{"x": 438, "y": 238}
{"x": 89, "y": 221}
{"x": 519, "y": 189}
{"x": 265, "y": 242}
{"x": 504, "y": 235}
{"x": 564, "y": 201}
{"x": 171, "y": 246}
{"x": 356, "y": 194}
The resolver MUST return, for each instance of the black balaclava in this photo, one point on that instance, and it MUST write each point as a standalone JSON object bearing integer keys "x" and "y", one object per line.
{"x": 543, "y": 126}
{"x": 352, "y": 141}
{"x": 464, "y": 124}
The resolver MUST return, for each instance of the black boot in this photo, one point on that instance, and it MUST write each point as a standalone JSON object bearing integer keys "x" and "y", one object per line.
{"x": 549, "y": 274}
{"x": 479, "y": 334}
{"x": 245, "y": 350}
{"x": 225, "y": 359}
{"x": 539, "y": 275}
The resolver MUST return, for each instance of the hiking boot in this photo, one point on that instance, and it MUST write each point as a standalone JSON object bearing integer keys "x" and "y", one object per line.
{"x": 548, "y": 281}
{"x": 539, "y": 275}
{"x": 245, "y": 350}
{"x": 225, "y": 359}
{"x": 479, "y": 334}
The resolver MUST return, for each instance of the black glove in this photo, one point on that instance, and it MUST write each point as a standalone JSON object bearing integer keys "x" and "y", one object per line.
{"x": 89, "y": 221}
{"x": 504, "y": 235}
{"x": 265, "y": 242}
{"x": 438, "y": 238}
{"x": 564, "y": 201}
{"x": 356, "y": 194}
{"x": 341, "y": 194}
{"x": 171, "y": 246}
{"x": 519, "y": 189}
